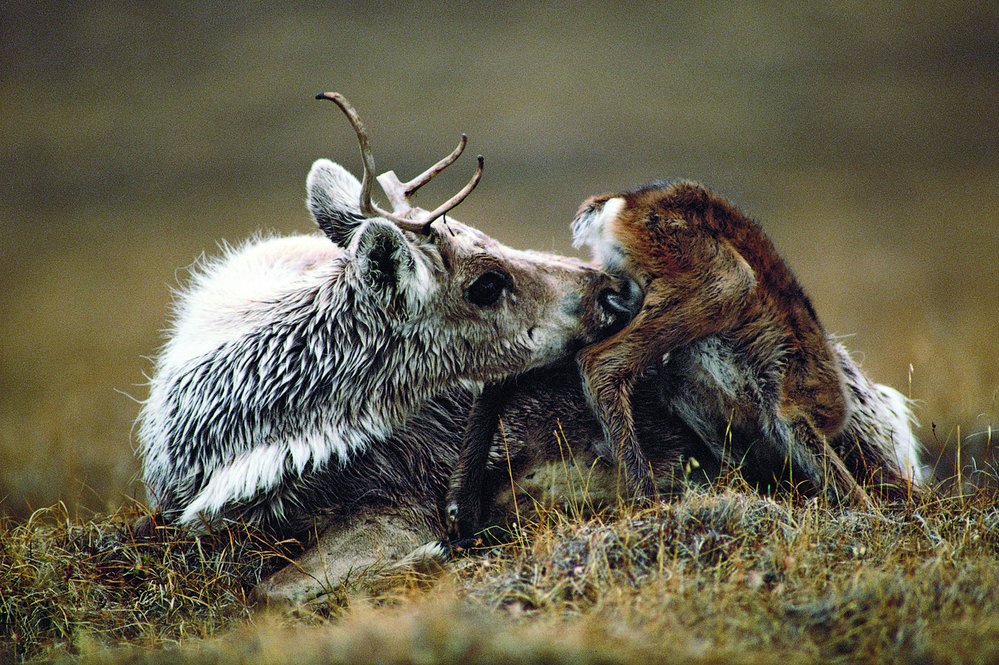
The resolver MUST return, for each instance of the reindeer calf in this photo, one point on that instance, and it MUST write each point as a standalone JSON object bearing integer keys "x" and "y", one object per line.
{"x": 746, "y": 363}
{"x": 725, "y": 361}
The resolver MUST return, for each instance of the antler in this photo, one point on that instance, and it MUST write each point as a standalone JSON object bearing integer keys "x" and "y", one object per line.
{"x": 407, "y": 216}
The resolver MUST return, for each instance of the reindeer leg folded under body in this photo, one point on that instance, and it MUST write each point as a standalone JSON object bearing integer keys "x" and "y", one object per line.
{"x": 361, "y": 549}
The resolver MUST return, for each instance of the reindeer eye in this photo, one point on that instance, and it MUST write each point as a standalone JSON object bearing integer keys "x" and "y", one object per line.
{"x": 487, "y": 289}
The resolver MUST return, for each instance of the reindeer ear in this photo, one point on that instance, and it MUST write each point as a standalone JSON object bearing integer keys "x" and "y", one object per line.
{"x": 594, "y": 227}
{"x": 591, "y": 225}
{"x": 334, "y": 196}
{"x": 387, "y": 265}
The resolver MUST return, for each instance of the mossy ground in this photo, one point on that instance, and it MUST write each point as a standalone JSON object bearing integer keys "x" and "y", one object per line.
{"x": 721, "y": 575}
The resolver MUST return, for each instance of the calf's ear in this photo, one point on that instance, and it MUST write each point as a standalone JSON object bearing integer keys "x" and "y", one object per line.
{"x": 594, "y": 227}
{"x": 334, "y": 200}
{"x": 591, "y": 224}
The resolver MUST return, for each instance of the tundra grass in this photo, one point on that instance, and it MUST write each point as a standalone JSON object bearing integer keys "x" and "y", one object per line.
{"x": 720, "y": 575}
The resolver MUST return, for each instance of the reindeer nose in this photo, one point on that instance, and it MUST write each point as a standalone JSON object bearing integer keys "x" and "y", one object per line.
{"x": 621, "y": 304}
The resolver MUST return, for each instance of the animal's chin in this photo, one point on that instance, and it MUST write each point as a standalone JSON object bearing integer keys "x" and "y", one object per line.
{"x": 546, "y": 349}
{"x": 556, "y": 354}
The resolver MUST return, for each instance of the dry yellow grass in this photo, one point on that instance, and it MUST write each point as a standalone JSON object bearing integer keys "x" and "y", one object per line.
{"x": 721, "y": 575}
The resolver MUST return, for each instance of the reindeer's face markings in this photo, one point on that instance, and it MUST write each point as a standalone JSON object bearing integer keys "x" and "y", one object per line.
{"x": 505, "y": 310}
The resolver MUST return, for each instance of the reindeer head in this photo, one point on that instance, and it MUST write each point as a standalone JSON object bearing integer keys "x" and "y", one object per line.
{"x": 502, "y": 310}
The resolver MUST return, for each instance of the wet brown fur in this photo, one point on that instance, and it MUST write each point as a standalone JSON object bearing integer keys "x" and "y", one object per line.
{"x": 707, "y": 270}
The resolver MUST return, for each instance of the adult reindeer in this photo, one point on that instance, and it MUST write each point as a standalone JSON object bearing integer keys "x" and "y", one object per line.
{"x": 311, "y": 374}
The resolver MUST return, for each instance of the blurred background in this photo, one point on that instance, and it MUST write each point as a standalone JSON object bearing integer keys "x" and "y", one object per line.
{"x": 135, "y": 136}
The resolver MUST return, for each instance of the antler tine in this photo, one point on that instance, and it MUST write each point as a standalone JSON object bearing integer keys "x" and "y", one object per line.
{"x": 453, "y": 202}
{"x": 405, "y": 216}
{"x": 428, "y": 175}
{"x": 368, "y": 208}
{"x": 399, "y": 192}
{"x": 362, "y": 139}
